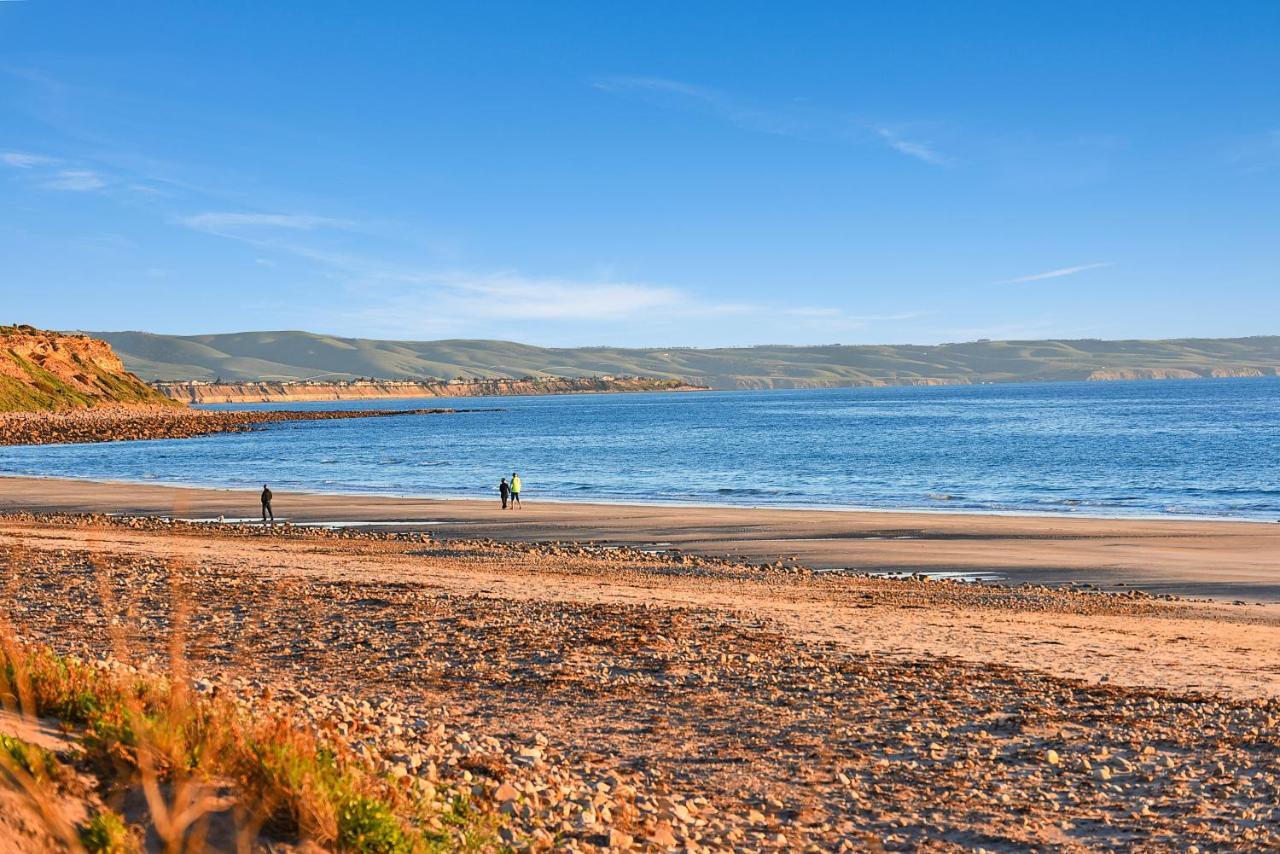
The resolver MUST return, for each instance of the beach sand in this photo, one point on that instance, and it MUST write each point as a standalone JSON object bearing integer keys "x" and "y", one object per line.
{"x": 1226, "y": 560}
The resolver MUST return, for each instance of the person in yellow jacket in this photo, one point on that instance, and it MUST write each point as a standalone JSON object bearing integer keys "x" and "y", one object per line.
{"x": 515, "y": 490}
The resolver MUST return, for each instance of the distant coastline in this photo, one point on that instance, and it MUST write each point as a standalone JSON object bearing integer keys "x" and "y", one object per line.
{"x": 284, "y": 356}
{"x": 196, "y": 392}
{"x": 200, "y": 392}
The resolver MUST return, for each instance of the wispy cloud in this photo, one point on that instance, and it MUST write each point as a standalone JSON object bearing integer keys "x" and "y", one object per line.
{"x": 442, "y": 303}
{"x": 23, "y": 160}
{"x": 75, "y": 180}
{"x": 217, "y": 222}
{"x": 396, "y": 298}
{"x": 801, "y": 122}
{"x": 919, "y": 150}
{"x": 1057, "y": 274}
{"x": 55, "y": 173}
{"x": 511, "y": 295}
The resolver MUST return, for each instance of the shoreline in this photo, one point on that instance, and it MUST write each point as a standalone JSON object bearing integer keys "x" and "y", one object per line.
{"x": 1198, "y": 558}
{"x": 1085, "y": 515}
{"x": 110, "y": 423}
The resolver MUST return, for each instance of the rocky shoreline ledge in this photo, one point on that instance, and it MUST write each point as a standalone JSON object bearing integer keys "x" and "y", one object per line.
{"x": 124, "y": 423}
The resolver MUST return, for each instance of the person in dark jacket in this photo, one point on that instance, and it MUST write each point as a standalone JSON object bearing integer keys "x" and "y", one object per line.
{"x": 266, "y": 505}
{"x": 505, "y": 491}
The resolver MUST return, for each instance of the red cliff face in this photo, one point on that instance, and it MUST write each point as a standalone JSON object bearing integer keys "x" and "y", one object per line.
{"x": 52, "y": 370}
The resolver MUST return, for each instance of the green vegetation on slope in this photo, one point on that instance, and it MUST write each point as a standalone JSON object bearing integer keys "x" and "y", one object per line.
{"x": 304, "y": 355}
{"x": 47, "y": 370}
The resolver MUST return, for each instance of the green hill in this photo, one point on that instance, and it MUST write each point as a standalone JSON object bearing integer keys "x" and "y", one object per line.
{"x": 304, "y": 355}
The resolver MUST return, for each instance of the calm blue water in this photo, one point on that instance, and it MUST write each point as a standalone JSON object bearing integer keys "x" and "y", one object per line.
{"x": 1190, "y": 448}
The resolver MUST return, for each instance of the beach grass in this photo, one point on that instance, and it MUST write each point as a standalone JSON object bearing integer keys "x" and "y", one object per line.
{"x": 207, "y": 763}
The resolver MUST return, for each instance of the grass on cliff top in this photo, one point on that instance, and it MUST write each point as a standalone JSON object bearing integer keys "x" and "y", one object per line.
{"x": 207, "y": 767}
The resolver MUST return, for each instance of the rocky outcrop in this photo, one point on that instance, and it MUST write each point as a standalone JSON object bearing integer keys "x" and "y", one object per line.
{"x": 42, "y": 370}
{"x": 281, "y": 392}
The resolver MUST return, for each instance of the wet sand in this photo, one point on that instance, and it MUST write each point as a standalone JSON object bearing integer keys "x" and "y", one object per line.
{"x": 1214, "y": 559}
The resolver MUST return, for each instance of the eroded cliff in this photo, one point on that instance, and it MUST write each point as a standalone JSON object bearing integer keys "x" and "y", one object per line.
{"x": 41, "y": 370}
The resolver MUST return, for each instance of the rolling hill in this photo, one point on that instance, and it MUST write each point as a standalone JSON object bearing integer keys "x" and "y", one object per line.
{"x": 307, "y": 356}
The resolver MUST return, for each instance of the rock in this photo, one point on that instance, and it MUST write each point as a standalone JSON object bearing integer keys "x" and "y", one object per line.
{"x": 663, "y": 836}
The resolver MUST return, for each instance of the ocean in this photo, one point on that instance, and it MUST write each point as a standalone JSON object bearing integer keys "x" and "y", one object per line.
{"x": 1207, "y": 448}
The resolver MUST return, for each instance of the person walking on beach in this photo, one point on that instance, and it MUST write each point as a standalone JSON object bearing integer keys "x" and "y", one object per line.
{"x": 515, "y": 490}
{"x": 266, "y": 505}
{"x": 505, "y": 492}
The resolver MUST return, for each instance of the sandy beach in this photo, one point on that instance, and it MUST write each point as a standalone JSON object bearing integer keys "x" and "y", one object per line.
{"x": 1225, "y": 560}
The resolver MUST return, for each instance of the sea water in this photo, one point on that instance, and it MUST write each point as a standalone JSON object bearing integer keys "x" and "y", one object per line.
{"x": 1174, "y": 448}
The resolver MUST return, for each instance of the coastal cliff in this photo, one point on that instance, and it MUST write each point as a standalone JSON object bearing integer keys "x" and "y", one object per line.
{"x": 42, "y": 370}
{"x": 282, "y": 392}
{"x": 774, "y": 383}
{"x": 1179, "y": 374}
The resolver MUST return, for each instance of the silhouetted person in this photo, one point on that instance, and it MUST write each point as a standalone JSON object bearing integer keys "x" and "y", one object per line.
{"x": 266, "y": 505}
{"x": 515, "y": 490}
{"x": 505, "y": 491}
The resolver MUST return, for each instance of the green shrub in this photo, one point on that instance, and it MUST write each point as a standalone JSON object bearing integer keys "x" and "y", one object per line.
{"x": 36, "y": 761}
{"x": 106, "y": 833}
{"x": 368, "y": 826}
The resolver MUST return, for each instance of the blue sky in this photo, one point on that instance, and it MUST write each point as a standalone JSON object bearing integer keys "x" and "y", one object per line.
{"x": 643, "y": 174}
